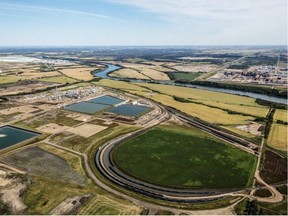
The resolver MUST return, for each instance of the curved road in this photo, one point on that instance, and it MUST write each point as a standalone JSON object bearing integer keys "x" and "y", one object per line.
{"x": 107, "y": 167}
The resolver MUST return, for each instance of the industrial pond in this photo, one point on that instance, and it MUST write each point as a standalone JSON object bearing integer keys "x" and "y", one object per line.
{"x": 130, "y": 110}
{"x": 12, "y": 135}
{"x": 106, "y": 99}
{"x": 85, "y": 107}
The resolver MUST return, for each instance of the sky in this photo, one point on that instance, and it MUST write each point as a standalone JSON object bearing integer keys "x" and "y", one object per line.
{"x": 142, "y": 22}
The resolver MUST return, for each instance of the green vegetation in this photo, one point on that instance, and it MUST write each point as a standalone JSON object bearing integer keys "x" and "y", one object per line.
{"x": 242, "y": 87}
{"x": 278, "y": 137}
{"x": 183, "y": 75}
{"x": 58, "y": 79}
{"x": 8, "y": 79}
{"x": 178, "y": 156}
{"x": 221, "y": 109}
{"x": 104, "y": 205}
{"x": 57, "y": 117}
{"x": 44, "y": 193}
{"x": 245, "y": 207}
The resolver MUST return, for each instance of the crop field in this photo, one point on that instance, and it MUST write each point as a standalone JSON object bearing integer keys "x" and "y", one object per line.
{"x": 201, "y": 111}
{"x": 80, "y": 73}
{"x": 8, "y": 79}
{"x": 129, "y": 73}
{"x": 121, "y": 85}
{"x": 58, "y": 79}
{"x": 151, "y": 71}
{"x": 225, "y": 101}
{"x": 178, "y": 156}
{"x": 280, "y": 115}
{"x": 212, "y": 115}
{"x": 278, "y": 137}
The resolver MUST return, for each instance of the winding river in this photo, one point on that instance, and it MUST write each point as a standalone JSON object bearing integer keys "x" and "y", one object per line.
{"x": 110, "y": 68}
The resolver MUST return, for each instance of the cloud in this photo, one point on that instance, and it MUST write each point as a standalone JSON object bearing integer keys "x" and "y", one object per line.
{"x": 55, "y": 10}
{"x": 206, "y": 9}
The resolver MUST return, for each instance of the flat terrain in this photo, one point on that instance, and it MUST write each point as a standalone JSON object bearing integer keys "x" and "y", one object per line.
{"x": 129, "y": 73}
{"x": 226, "y": 110}
{"x": 281, "y": 115}
{"x": 58, "y": 79}
{"x": 80, "y": 73}
{"x": 178, "y": 156}
{"x": 278, "y": 137}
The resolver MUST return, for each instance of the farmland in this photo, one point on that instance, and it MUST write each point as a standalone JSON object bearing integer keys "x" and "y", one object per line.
{"x": 225, "y": 110}
{"x": 151, "y": 71}
{"x": 58, "y": 79}
{"x": 280, "y": 115}
{"x": 8, "y": 79}
{"x": 278, "y": 137}
{"x": 79, "y": 73}
{"x": 128, "y": 73}
{"x": 177, "y": 156}
{"x": 221, "y": 100}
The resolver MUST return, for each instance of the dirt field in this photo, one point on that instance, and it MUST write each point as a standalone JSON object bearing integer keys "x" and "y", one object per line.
{"x": 52, "y": 128}
{"x": 87, "y": 130}
{"x": 79, "y": 117}
{"x": 251, "y": 128}
{"x": 42, "y": 163}
{"x": 11, "y": 188}
{"x": 21, "y": 109}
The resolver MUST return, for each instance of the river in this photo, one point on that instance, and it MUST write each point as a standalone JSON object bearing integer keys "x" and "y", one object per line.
{"x": 110, "y": 68}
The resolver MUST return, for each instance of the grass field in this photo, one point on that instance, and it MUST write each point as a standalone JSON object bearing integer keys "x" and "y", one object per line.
{"x": 278, "y": 137}
{"x": 184, "y": 76}
{"x": 58, "y": 79}
{"x": 178, "y": 156}
{"x": 280, "y": 115}
{"x": 103, "y": 205}
{"x": 9, "y": 79}
{"x": 45, "y": 194}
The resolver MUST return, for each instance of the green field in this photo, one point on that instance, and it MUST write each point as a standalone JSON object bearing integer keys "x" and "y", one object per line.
{"x": 278, "y": 137}
{"x": 58, "y": 79}
{"x": 178, "y": 156}
{"x": 183, "y": 75}
{"x": 9, "y": 79}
